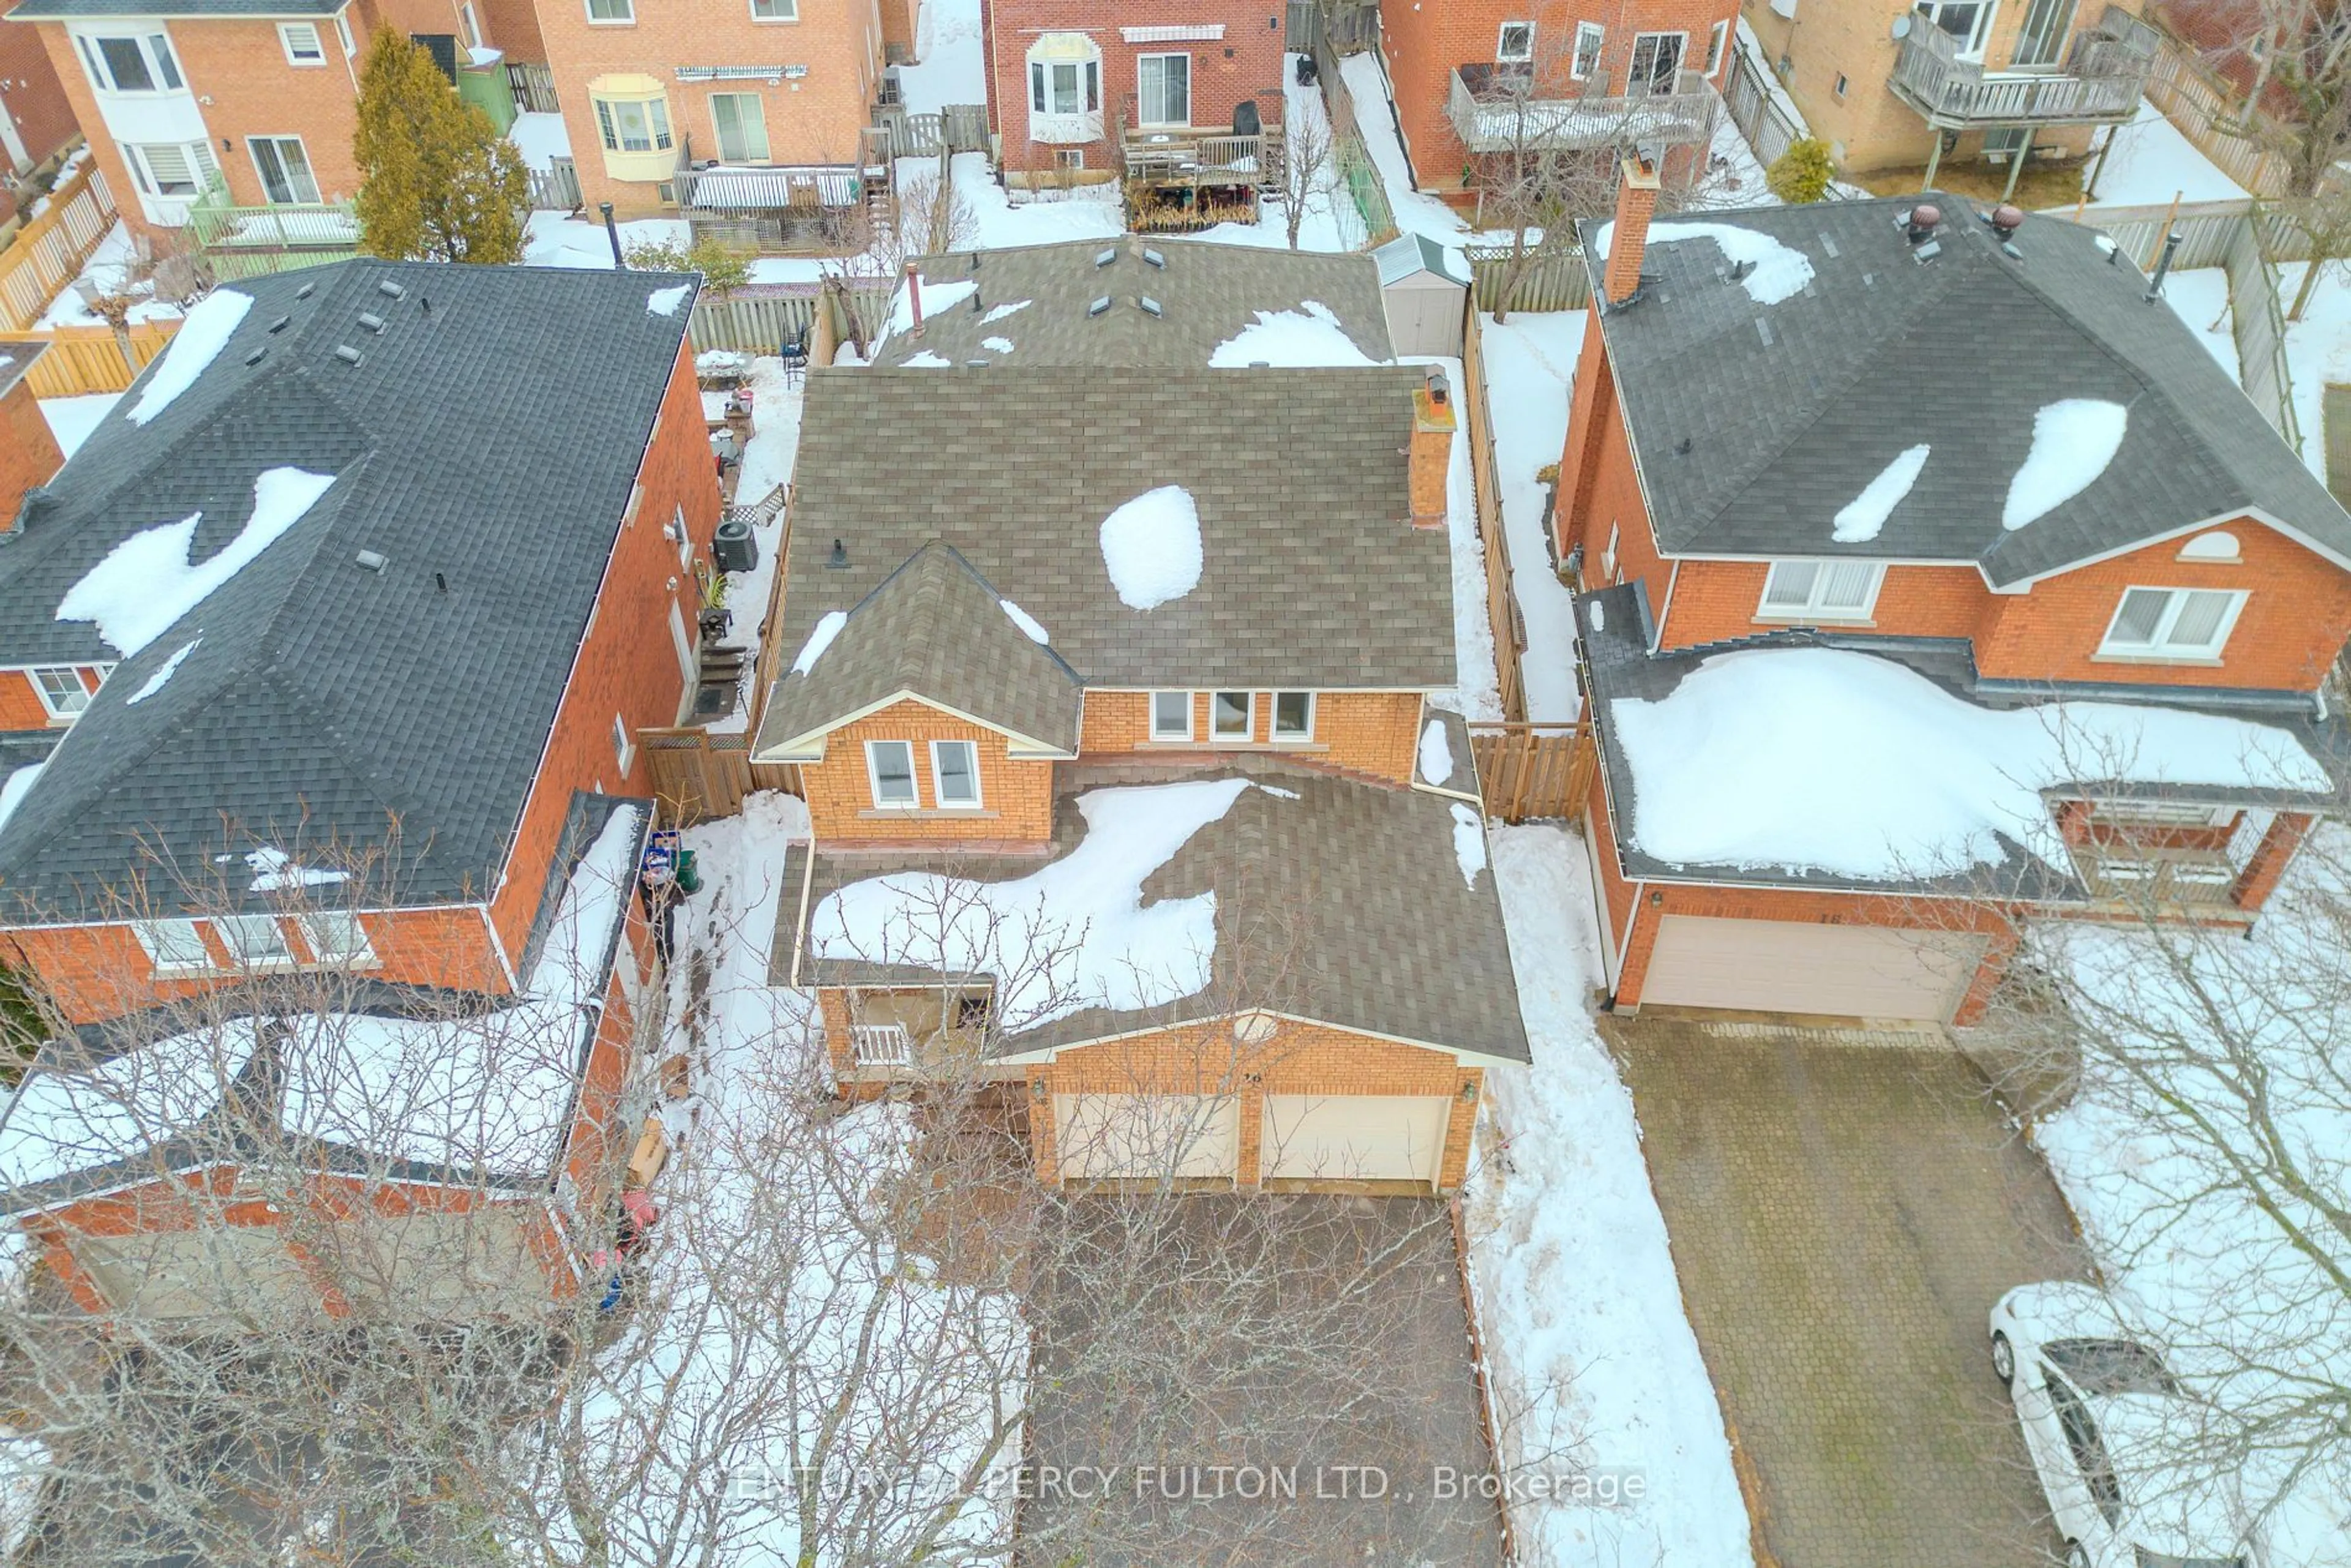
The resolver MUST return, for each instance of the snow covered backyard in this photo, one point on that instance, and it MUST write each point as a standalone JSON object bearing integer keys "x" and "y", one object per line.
{"x": 1529, "y": 367}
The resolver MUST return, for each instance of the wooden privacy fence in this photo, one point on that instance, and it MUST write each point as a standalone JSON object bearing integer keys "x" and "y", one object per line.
{"x": 1553, "y": 282}
{"x": 1526, "y": 771}
{"x": 697, "y": 776}
{"x": 2201, "y": 104}
{"x": 83, "y": 360}
{"x": 49, "y": 250}
{"x": 555, "y": 188}
{"x": 757, "y": 319}
{"x": 534, "y": 86}
{"x": 1755, "y": 110}
{"x": 956, "y": 127}
{"x": 1502, "y": 606}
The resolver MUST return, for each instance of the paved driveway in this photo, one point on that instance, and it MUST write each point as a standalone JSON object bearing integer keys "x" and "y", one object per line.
{"x": 1322, "y": 1338}
{"x": 1843, "y": 1210}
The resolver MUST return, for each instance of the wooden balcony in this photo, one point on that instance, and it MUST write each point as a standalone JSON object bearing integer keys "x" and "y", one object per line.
{"x": 1194, "y": 158}
{"x": 2104, "y": 79}
{"x": 235, "y": 241}
{"x": 1500, "y": 109}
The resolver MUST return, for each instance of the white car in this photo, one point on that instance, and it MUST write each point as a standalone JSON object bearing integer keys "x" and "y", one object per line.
{"x": 2113, "y": 1438}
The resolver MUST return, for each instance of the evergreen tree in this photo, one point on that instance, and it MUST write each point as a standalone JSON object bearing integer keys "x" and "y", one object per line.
{"x": 437, "y": 180}
{"x": 1802, "y": 173}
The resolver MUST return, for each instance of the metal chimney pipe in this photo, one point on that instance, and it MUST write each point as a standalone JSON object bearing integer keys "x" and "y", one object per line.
{"x": 2163, "y": 267}
{"x": 914, "y": 297}
{"x": 612, "y": 232}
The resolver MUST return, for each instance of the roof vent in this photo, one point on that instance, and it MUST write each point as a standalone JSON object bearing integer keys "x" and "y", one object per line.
{"x": 1099, "y": 306}
{"x": 1927, "y": 252}
{"x": 2011, "y": 251}
{"x": 307, "y": 290}
{"x": 2108, "y": 248}
{"x": 1740, "y": 270}
{"x": 1104, "y": 257}
{"x": 280, "y": 324}
{"x": 1149, "y": 307}
{"x": 1682, "y": 447}
{"x": 371, "y": 559}
{"x": 1261, "y": 364}
{"x": 1763, "y": 330}
{"x": 974, "y": 364}
{"x": 390, "y": 290}
{"x": 2005, "y": 220}
{"x": 838, "y": 560}
{"x": 371, "y": 320}
{"x": 348, "y": 354}
{"x": 1154, "y": 258}
{"x": 978, "y": 308}
{"x": 1919, "y": 223}
{"x": 254, "y": 358}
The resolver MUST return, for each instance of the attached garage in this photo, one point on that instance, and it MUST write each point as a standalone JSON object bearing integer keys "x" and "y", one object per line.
{"x": 1144, "y": 1137}
{"x": 1353, "y": 1137}
{"x": 1797, "y": 966}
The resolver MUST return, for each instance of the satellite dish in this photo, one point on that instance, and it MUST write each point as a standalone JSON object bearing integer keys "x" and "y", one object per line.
{"x": 1901, "y": 27}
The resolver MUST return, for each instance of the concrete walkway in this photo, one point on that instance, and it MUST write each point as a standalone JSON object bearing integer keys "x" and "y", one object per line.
{"x": 1844, "y": 1209}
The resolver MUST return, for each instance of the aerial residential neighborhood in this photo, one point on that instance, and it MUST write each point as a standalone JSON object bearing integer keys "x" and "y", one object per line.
{"x": 1018, "y": 781}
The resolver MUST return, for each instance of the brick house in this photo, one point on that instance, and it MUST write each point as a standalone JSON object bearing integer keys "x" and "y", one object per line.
{"x": 1476, "y": 84}
{"x": 1080, "y": 90}
{"x": 334, "y": 664}
{"x": 1963, "y": 582}
{"x": 783, "y": 88}
{"x": 1208, "y": 902}
{"x": 36, "y": 120}
{"x": 177, "y": 95}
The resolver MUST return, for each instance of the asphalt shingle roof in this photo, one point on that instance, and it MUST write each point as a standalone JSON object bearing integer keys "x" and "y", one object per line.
{"x": 1790, "y": 409}
{"x": 1313, "y": 576}
{"x": 936, "y": 628}
{"x": 1207, "y": 294}
{"x": 1346, "y": 904}
{"x": 484, "y": 445}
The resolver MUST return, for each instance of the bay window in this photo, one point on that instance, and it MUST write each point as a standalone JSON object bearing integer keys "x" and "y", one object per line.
{"x": 1064, "y": 89}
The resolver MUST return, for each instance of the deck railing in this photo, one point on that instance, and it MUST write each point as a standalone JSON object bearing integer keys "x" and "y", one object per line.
{"x": 2103, "y": 79}
{"x": 1203, "y": 157}
{"x": 882, "y": 1044}
{"x": 1497, "y": 109}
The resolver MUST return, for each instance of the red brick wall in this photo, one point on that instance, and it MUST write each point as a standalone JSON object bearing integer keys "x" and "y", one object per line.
{"x": 29, "y": 454}
{"x": 1715, "y": 600}
{"x": 1375, "y": 733}
{"x": 21, "y": 707}
{"x": 242, "y": 68}
{"x": 34, "y": 97}
{"x": 1425, "y": 41}
{"x": 1015, "y": 795}
{"x": 1245, "y": 63}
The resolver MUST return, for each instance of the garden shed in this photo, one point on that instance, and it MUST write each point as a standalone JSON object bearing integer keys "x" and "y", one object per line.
{"x": 1424, "y": 295}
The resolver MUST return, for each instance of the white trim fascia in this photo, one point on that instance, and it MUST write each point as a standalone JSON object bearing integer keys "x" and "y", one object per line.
{"x": 130, "y": 920}
{"x": 799, "y": 923}
{"x": 1029, "y": 749}
{"x": 1044, "y": 1054}
{"x": 2273, "y": 523}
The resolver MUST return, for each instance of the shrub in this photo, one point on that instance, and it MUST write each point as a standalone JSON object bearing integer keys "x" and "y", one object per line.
{"x": 724, "y": 269}
{"x": 1802, "y": 173}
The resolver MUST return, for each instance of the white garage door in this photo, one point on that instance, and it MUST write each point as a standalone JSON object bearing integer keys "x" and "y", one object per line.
{"x": 1131, "y": 1137}
{"x": 1793, "y": 967}
{"x": 1353, "y": 1137}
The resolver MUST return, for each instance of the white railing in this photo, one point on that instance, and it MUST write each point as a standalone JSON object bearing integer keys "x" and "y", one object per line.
{"x": 882, "y": 1044}
{"x": 1501, "y": 111}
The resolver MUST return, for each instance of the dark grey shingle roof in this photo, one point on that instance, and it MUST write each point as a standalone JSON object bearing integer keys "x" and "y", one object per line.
{"x": 1881, "y": 352}
{"x": 934, "y": 627}
{"x": 488, "y": 445}
{"x": 1346, "y": 904}
{"x": 1313, "y": 576}
{"x": 1208, "y": 294}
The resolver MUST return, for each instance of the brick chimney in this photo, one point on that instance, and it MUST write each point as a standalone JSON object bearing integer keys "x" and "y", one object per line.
{"x": 1432, "y": 450}
{"x": 1636, "y": 201}
{"x": 29, "y": 454}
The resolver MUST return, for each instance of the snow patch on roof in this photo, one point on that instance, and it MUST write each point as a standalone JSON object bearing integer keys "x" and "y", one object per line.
{"x": 162, "y": 678}
{"x": 274, "y": 870}
{"x": 828, "y": 626}
{"x": 1864, "y": 515}
{"x": 1468, "y": 841}
{"x": 2073, "y": 439}
{"x": 15, "y": 787}
{"x": 665, "y": 301}
{"x": 66, "y": 1122}
{"x": 1852, "y": 764}
{"x": 198, "y": 342}
{"x": 1291, "y": 340}
{"x": 926, "y": 360}
{"x": 1775, "y": 270}
{"x": 1009, "y": 307}
{"x": 1028, "y": 623}
{"x": 147, "y": 582}
{"x": 996, "y": 345}
{"x": 937, "y": 300}
{"x": 1151, "y": 547}
{"x": 1436, "y": 753}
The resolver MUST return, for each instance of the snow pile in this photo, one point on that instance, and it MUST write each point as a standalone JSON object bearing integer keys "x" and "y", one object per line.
{"x": 1844, "y": 762}
{"x": 147, "y": 582}
{"x": 163, "y": 676}
{"x": 1468, "y": 841}
{"x": 1864, "y": 515}
{"x": 996, "y": 345}
{"x": 769, "y": 459}
{"x": 2148, "y": 161}
{"x": 1478, "y": 692}
{"x": 665, "y": 301}
{"x": 1291, "y": 340}
{"x": 64, "y": 1121}
{"x": 938, "y": 298}
{"x": 926, "y": 360}
{"x": 74, "y": 419}
{"x": 541, "y": 137}
{"x": 1588, "y": 1351}
{"x": 1151, "y": 548}
{"x": 1775, "y": 271}
{"x": 1436, "y": 754}
{"x": 274, "y": 870}
{"x": 1073, "y": 935}
{"x": 1027, "y": 622}
{"x": 198, "y": 342}
{"x": 1529, "y": 365}
{"x": 828, "y": 626}
{"x": 2073, "y": 439}
{"x": 15, "y": 787}
{"x": 1009, "y": 307}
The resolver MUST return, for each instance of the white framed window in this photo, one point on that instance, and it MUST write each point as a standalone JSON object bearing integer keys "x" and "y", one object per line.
{"x": 1515, "y": 45}
{"x": 254, "y": 941}
{"x": 1608, "y": 558}
{"x": 955, "y": 773}
{"x": 285, "y": 169}
{"x": 890, "y": 764}
{"x": 685, "y": 539}
{"x": 301, "y": 43}
{"x": 61, "y": 690}
{"x": 173, "y": 946}
{"x": 1656, "y": 61}
{"x": 141, "y": 62}
{"x": 1589, "y": 37}
{"x": 1163, "y": 89}
{"x": 170, "y": 168}
{"x": 1229, "y": 716}
{"x": 2172, "y": 623}
{"x": 1717, "y": 41}
{"x": 741, "y": 121}
{"x": 1293, "y": 715}
{"x": 1968, "y": 21}
{"x": 472, "y": 24}
{"x": 1821, "y": 591}
{"x": 623, "y": 749}
{"x": 1064, "y": 87}
{"x": 337, "y": 938}
{"x": 344, "y": 35}
{"x": 611, "y": 12}
{"x": 634, "y": 125}
{"x": 774, "y": 10}
{"x": 1171, "y": 716}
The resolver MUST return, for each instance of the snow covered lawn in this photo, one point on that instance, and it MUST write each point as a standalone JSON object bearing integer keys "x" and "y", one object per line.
{"x": 1590, "y": 1356}
{"x": 2317, "y": 350}
{"x": 109, "y": 270}
{"x": 1529, "y": 365}
{"x": 2152, "y": 162}
{"x": 541, "y": 139}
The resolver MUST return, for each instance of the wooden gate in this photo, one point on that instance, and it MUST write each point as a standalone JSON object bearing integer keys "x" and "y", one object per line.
{"x": 1526, "y": 771}
{"x": 697, "y": 775}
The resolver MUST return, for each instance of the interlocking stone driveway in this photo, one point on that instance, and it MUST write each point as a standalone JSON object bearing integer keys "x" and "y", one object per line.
{"x": 1843, "y": 1210}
